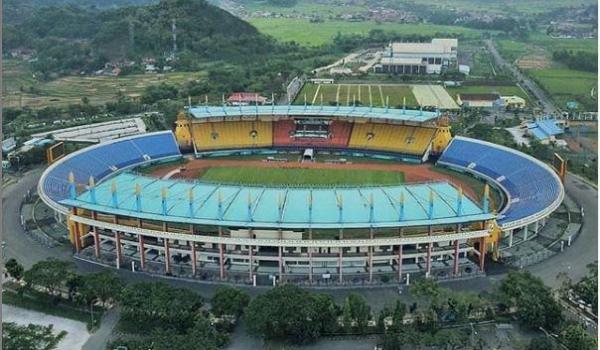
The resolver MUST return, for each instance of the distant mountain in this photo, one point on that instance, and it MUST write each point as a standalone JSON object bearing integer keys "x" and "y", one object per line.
{"x": 71, "y": 38}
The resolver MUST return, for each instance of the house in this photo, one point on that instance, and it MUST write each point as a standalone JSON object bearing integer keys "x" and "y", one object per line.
{"x": 322, "y": 80}
{"x": 513, "y": 102}
{"x": 479, "y": 100}
{"x": 464, "y": 69}
{"x": 8, "y": 144}
{"x": 246, "y": 98}
{"x": 150, "y": 68}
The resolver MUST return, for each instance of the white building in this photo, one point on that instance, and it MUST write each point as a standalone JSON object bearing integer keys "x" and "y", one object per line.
{"x": 418, "y": 58}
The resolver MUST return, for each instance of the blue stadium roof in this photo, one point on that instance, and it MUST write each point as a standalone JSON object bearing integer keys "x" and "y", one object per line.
{"x": 281, "y": 207}
{"x": 389, "y": 114}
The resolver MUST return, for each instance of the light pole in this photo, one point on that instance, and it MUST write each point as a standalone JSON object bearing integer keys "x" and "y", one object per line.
{"x": 92, "y": 310}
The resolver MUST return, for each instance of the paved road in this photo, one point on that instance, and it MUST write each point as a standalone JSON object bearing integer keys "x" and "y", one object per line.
{"x": 584, "y": 249}
{"x": 547, "y": 104}
{"x": 18, "y": 244}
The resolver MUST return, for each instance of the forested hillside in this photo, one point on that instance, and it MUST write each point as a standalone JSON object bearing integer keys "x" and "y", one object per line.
{"x": 69, "y": 39}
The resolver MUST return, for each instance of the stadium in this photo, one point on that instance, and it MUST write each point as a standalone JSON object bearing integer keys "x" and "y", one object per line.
{"x": 143, "y": 202}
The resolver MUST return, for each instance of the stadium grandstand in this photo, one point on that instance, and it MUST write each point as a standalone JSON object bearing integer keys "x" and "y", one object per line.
{"x": 305, "y": 133}
{"x": 232, "y": 135}
{"x": 267, "y": 234}
{"x": 392, "y": 132}
{"x": 392, "y": 138}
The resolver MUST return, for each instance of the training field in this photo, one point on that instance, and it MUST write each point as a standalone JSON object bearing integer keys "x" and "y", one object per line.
{"x": 283, "y": 176}
{"x": 377, "y": 95}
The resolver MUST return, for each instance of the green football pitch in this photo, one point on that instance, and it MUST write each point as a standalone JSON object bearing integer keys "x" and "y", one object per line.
{"x": 301, "y": 177}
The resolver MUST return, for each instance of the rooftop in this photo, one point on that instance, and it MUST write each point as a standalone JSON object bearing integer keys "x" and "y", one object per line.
{"x": 543, "y": 129}
{"x": 436, "y": 46}
{"x": 479, "y": 97}
{"x": 281, "y": 207}
{"x": 389, "y": 114}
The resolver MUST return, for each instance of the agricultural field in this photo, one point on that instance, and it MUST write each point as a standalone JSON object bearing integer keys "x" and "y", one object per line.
{"x": 505, "y": 6}
{"x": 304, "y": 7}
{"x": 364, "y": 94}
{"x": 21, "y": 89}
{"x": 320, "y": 177}
{"x": 513, "y": 50}
{"x": 309, "y": 33}
{"x": 563, "y": 84}
{"x": 567, "y": 85}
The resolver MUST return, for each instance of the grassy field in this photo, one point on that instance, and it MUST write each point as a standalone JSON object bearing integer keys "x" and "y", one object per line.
{"x": 567, "y": 85}
{"x": 367, "y": 94}
{"x": 20, "y": 88}
{"x": 305, "y": 32}
{"x": 320, "y": 177}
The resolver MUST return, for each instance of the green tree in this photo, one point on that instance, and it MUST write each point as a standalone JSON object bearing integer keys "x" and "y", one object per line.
{"x": 534, "y": 301}
{"x": 30, "y": 337}
{"x": 358, "y": 312}
{"x": 50, "y": 274}
{"x": 383, "y": 314}
{"x": 158, "y": 305}
{"x": 202, "y": 334}
{"x": 587, "y": 288}
{"x": 14, "y": 269}
{"x": 542, "y": 343}
{"x": 229, "y": 301}
{"x": 287, "y": 313}
{"x": 398, "y": 315}
{"x": 328, "y": 312}
{"x": 574, "y": 336}
{"x": 101, "y": 286}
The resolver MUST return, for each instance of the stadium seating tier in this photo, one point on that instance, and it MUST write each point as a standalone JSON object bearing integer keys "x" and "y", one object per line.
{"x": 532, "y": 187}
{"x": 105, "y": 158}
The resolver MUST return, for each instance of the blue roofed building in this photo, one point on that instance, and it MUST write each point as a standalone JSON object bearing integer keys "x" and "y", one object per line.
{"x": 544, "y": 129}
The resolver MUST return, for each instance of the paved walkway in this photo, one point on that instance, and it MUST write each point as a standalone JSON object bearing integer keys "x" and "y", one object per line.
{"x": 77, "y": 333}
{"x": 100, "y": 338}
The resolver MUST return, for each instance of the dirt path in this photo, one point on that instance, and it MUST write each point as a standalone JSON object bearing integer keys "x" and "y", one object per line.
{"x": 412, "y": 173}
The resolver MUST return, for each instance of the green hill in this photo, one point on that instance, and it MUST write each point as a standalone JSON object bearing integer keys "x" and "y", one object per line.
{"x": 69, "y": 38}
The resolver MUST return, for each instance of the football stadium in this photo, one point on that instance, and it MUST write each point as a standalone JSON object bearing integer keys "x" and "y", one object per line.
{"x": 315, "y": 195}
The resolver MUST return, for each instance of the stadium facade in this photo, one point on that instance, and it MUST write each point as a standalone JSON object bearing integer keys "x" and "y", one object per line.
{"x": 251, "y": 234}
